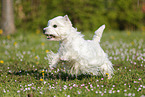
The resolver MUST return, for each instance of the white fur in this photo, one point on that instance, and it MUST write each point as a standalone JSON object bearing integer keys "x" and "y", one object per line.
{"x": 82, "y": 56}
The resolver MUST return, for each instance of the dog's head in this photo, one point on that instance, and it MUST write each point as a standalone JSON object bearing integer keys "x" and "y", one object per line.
{"x": 58, "y": 28}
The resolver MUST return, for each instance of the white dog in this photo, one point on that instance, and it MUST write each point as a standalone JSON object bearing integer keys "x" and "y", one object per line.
{"x": 82, "y": 56}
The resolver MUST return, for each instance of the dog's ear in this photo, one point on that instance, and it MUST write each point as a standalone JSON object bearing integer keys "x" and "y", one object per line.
{"x": 67, "y": 20}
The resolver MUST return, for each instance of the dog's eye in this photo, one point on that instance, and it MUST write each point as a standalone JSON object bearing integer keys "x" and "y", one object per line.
{"x": 54, "y": 26}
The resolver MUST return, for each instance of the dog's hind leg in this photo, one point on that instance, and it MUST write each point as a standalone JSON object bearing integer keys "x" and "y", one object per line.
{"x": 107, "y": 69}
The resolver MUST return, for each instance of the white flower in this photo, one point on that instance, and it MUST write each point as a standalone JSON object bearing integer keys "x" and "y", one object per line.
{"x": 28, "y": 88}
{"x": 41, "y": 92}
{"x": 118, "y": 90}
{"x": 133, "y": 94}
{"x": 68, "y": 95}
{"x": 18, "y": 91}
{"x": 4, "y": 90}
{"x": 44, "y": 82}
{"x": 129, "y": 94}
{"x": 29, "y": 85}
{"x": 125, "y": 94}
{"x": 79, "y": 92}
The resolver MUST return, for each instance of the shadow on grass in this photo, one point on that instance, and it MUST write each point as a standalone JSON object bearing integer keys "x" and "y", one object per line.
{"x": 65, "y": 76}
{"x": 51, "y": 75}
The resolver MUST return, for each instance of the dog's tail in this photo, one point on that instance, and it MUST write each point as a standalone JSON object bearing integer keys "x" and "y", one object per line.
{"x": 98, "y": 34}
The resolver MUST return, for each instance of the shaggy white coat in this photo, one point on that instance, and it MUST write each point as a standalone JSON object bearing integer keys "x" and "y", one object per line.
{"x": 81, "y": 56}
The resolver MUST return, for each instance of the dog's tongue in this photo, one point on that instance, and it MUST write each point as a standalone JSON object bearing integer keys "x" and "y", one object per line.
{"x": 49, "y": 37}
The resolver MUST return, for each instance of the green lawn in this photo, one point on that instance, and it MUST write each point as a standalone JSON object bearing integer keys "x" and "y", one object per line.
{"x": 24, "y": 68}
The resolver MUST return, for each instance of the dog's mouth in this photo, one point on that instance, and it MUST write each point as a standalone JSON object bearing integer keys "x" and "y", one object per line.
{"x": 50, "y": 36}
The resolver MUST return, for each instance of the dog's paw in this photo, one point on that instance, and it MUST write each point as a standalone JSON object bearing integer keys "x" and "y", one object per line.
{"x": 50, "y": 56}
{"x": 63, "y": 58}
{"x": 52, "y": 66}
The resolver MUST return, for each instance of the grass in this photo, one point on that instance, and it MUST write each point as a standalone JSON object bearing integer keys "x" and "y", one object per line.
{"x": 24, "y": 68}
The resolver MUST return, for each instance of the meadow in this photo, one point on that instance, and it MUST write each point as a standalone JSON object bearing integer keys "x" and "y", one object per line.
{"x": 24, "y": 68}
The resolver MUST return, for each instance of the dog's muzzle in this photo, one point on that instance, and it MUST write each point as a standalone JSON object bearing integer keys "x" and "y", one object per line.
{"x": 44, "y": 30}
{"x": 49, "y": 36}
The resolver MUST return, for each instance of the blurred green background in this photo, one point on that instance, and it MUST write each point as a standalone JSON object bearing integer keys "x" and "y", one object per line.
{"x": 24, "y": 55}
{"x": 86, "y": 15}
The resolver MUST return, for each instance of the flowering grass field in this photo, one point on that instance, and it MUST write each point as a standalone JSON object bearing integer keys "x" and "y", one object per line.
{"x": 24, "y": 68}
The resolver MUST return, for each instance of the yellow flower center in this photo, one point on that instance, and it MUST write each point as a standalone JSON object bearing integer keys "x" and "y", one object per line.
{"x": 47, "y": 51}
{"x": 1, "y": 31}
{"x": 15, "y": 43}
{"x": 41, "y": 79}
{"x": 112, "y": 37}
{"x": 1, "y": 61}
{"x": 42, "y": 44}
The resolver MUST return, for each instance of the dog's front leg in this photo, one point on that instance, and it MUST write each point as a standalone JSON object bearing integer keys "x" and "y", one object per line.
{"x": 53, "y": 59}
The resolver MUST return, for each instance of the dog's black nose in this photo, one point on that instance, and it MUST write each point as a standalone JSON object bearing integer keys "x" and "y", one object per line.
{"x": 44, "y": 31}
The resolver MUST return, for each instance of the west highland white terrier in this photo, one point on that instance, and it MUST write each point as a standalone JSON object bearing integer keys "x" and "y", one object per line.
{"x": 81, "y": 56}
